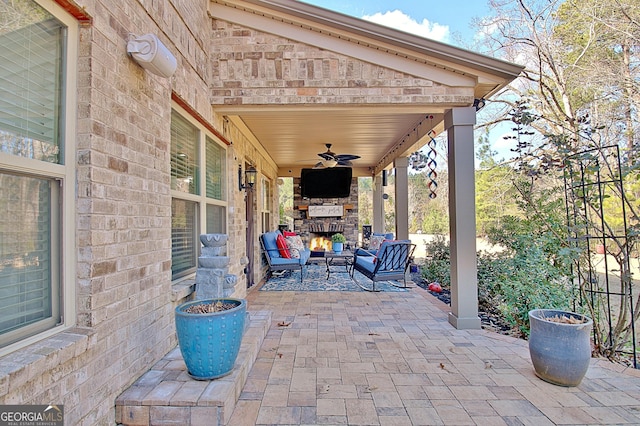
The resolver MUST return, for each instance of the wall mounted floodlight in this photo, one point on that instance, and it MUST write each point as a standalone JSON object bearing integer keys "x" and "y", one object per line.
{"x": 149, "y": 52}
{"x": 478, "y": 104}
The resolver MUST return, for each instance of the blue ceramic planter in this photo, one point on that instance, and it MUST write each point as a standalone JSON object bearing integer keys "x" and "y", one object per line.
{"x": 210, "y": 343}
{"x": 337, "y": 247}
{"x": 560, "y": 352}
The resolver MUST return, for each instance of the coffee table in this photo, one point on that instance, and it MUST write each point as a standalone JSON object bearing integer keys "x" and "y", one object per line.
{"x": 344, "y": 258}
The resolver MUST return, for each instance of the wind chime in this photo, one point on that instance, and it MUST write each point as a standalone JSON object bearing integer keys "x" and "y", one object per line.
{"x": 432, "y": 175}
{"x": 419, "y": 161}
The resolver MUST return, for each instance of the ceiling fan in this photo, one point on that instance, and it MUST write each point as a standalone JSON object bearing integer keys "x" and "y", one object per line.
{"x": 331, "y": 159}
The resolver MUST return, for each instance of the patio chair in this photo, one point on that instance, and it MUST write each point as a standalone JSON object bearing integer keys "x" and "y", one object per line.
{"x": 391, "y": 262}
{"x": 275, "y": 260}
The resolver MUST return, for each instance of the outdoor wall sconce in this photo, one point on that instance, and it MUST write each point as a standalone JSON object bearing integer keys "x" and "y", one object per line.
{"x": 249, "y": 177}
{"x": 149, "y": 52}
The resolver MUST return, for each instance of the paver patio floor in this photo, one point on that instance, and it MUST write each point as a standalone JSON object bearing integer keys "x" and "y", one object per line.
{"x": 357, "y": 358}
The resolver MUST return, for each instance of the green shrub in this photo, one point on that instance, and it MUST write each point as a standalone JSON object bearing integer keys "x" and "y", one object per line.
{"x": 527, "y": 275}
{"x": 519, "y": 282}
{"x": 436, "y": 267}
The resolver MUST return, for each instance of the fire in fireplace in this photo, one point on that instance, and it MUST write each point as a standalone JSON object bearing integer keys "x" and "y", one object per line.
{"x": 318, "y": 243}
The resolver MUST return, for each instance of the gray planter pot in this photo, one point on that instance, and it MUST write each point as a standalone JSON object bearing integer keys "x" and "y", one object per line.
{"x": 560, "y": 352}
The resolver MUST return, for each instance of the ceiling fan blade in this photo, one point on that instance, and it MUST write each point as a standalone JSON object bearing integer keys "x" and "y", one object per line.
{"x": 331, "y": 159}
{"x": 326, "y": 156}
{"x": 346, "y": 157}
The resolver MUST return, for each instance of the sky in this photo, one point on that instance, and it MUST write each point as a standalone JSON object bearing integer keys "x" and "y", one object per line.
{"x": 447, "y": 21}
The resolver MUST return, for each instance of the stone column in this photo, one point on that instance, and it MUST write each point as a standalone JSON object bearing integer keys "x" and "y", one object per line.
{"x": 459, "y": 124}
{"x": 401, "y": 165}
{"x": 378, "y": 205}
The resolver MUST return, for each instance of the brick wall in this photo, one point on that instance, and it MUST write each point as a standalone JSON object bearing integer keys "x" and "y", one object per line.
{"x": 123, "y": 287}
{"x": 254, "y": 67}
{"x": 123, "y": 284}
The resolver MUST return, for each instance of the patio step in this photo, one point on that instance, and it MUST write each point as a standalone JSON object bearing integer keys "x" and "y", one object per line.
{"x": 167, "y": 395}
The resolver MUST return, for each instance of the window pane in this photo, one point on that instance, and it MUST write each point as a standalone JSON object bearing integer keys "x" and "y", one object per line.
{"x": 27, "y": 295}
{"x": 215, "y": 170}
{"x": 32, "y": 43}
{"x": 266, "y": 222}
{"x": 184, "y": 155}
{"x": 183, "y": 237}
{"x": 216, "y": 219}
{"x": 266, "y": 194}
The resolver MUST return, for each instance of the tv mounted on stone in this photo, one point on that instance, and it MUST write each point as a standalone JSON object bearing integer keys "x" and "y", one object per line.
{"x": 326, "y": 183}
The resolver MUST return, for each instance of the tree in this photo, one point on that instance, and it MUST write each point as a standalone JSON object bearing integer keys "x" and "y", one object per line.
{"x": 495, "y": 193}
{"x": 580, "y": 91}
{"x": 365, "y": 201}
{"x": 285, "y": 202}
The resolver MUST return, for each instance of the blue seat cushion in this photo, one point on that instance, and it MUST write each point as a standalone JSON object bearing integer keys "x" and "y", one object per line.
{"x": 383, "y": 247}
{"x": 275, "y": 261}
{"x": 387, "y": 236}
{"x": 304, "y": 256}
{"x": 270, "y": 244}
{"x": 366, "y": 262}
{"x": 364, "y": 252}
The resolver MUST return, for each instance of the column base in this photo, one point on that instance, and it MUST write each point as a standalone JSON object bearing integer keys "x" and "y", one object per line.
{"x": 464, "y": 323}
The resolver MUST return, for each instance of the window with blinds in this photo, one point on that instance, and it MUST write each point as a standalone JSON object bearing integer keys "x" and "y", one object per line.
{"x": 216, "y": 187}
{"x": 195, "y": 157}
{"x": 267, "y": 203}
{"x": 216, "y": 223}
{"x": 32, "y": 83}
{"x": 184, "y": 252}
{"x": 184, "y": 155}
{"x": 27, "y": 296}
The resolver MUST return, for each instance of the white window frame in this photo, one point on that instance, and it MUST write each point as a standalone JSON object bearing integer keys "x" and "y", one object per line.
{"x": 201, "y": 198}
{"x": 266, "y": 204}
{"x": 65, "y": 174}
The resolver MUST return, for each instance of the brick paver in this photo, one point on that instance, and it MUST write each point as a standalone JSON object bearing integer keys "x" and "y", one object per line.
{"x": 393, "y": 359}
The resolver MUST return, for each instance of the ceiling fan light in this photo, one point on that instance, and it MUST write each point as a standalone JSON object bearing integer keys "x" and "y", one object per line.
{"x": 331, "y": 163}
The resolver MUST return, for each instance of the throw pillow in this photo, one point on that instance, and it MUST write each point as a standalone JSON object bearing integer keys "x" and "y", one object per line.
{"x": 296, "y": 246}
{"x": 382, "y": 245}
{"x": 283, "y": 247}
{"x": 376, "y": 242}
{"x": 289, "y": 234}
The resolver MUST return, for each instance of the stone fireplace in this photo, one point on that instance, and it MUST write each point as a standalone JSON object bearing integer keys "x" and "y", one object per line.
{"x": 317, "y": 219}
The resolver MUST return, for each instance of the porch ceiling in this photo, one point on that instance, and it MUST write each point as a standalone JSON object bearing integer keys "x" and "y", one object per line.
{"x": 293, "y": 137}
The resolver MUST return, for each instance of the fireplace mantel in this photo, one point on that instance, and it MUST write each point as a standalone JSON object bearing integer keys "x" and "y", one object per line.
{"x": 324, "y": 210}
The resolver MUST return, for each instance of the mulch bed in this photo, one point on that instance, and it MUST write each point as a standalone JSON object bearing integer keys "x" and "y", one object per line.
{"x": 489, "y": 319}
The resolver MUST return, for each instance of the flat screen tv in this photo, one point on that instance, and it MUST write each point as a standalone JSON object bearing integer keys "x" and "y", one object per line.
{"x": 326, "y": 183}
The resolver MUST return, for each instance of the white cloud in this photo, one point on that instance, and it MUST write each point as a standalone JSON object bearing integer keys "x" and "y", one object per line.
{"x": 400, "y": 21}
{"x": 503, "y": 146}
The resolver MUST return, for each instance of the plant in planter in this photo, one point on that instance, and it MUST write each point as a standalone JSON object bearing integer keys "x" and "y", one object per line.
{"x": 560, "y": 345}
{"x": 337, "y": 242}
